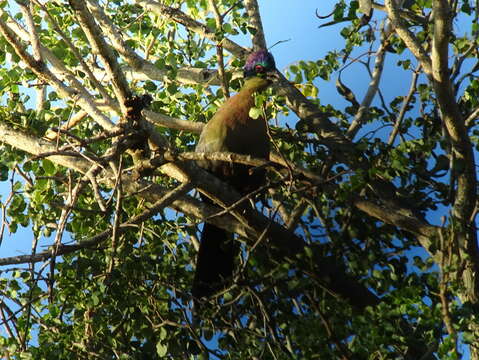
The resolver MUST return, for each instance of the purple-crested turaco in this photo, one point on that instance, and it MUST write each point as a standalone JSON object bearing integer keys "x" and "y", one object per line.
{"x": 232, "y": 129}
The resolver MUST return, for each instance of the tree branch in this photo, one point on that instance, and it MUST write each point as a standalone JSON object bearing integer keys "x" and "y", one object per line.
{"x": 465, "y": 199}
{"x": 373, "y": 85}
{"x": 26, "y": 8}
{"x": 403, "y": 13}
{"x": 172, "y": 123}
{"x": 404, "y": 106}
{"x": 219, "y": 49}
{"x": 465, "y": 236}
{"x": 258, "y": 39}
{"x": 407, "y": 36}
{"x": 103, "y": 50}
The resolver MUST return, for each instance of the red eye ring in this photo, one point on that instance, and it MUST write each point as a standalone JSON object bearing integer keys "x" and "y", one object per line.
{"x": 259, "y": 68}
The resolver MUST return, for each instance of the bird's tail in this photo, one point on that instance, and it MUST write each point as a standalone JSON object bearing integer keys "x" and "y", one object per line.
{"x": 215, "y": 261}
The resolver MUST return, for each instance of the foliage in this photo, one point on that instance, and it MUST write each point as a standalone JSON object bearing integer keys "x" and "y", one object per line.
{"x": 345, "y": 257}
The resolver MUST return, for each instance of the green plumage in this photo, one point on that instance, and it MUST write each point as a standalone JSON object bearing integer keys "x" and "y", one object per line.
{"x": 232, "y": 129}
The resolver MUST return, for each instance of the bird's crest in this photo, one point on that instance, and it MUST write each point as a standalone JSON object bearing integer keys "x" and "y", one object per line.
{"x": 259, "y": 62}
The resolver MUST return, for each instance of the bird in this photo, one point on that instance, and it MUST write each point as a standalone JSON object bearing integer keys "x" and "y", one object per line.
{"x": 232, "y": 129}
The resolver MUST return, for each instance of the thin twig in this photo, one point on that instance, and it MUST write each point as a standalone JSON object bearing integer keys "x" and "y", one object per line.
{"x": 404, "y": 107}
{"x": 116, "y": 221}
{"x": 30, "y": 295}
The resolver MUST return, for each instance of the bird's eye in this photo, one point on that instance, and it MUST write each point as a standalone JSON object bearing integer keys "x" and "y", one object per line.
{"x": 259, "y": 68}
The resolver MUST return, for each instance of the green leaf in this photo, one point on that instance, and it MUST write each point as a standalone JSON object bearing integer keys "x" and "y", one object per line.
{"x": 48, "y": 167}
{"x": 3, "y": 172}
{"x": 161, "y": 349}
{"x": 255, "y": 113}
{"x": 163, "y": 333}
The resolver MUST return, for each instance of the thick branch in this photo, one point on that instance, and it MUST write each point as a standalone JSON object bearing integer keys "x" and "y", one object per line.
{"x": 465, "y": 199}
{"x": 186, "y": 75}
{"x": 35, "y": 146}
{"x": 103, "y": 50}
{"x": 408, "y": 36}
{"x": 172, "y": 123}
{"x": 411, "y": 224}
{"x": 466, "y": 193}
{"x": 254, "y": 16}
{"x": 404, "y": 13}
{"x": 34, "y": 41}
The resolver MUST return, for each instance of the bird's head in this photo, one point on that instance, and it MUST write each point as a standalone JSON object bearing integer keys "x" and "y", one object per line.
{"x": 260, "y": 64}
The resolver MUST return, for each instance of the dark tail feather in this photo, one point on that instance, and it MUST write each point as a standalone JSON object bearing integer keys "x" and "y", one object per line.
{"x": 215, "y": 261}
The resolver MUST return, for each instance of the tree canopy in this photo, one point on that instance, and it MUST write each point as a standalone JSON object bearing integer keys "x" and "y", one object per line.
{"x": 364, "y": 245}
